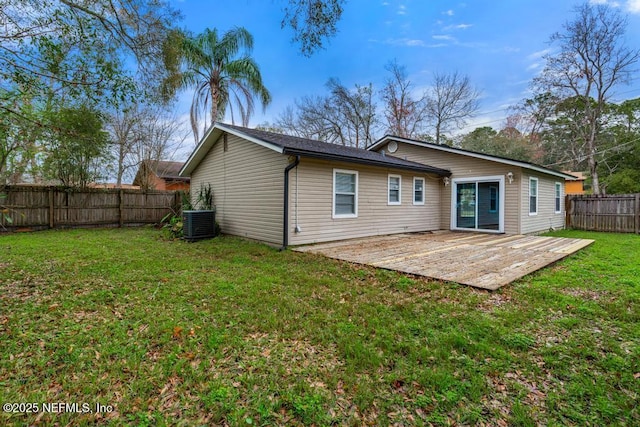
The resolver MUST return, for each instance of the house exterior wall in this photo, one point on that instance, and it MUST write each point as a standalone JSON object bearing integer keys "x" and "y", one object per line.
{"x": 146, "y": 178}
{"x": 247, "y": 183}
{"x": 574, "y": 187}
{"x": 155, "y": 182}
{"x": 175, "y": 185}
{"x": 466, "y": 167}
{"x": 546, "y": 217}
{"x": 311, "y": 203}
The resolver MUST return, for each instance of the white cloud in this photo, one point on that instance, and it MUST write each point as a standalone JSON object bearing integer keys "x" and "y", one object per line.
{"x": 633, "y": 6}
{"x": 457, "y": 27}
{"x": 442, "y": 37}
{"x": 448, "y": 12}
{"x": 607, "y": 2}
{"x": 539, "y": 54}
{"x": 407, "y": 42}
{"x": 534, "y": 66}
{"x": 414, "y": 42}
{"x": 402, "y": 10}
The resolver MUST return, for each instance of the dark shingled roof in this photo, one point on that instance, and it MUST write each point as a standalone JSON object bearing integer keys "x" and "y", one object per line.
{"x": 169, "y": 170}
{"x": 294, "y": 145}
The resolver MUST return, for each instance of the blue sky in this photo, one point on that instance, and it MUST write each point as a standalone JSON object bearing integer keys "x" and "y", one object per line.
{"x": 499, "y": 44}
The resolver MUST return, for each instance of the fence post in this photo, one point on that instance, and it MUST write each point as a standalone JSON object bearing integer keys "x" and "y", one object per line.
{"x": 637, "y": 213}
{"x": 567, "y": 211}
{"x": 52, "y": 210}
{"x": 120, "y": 208}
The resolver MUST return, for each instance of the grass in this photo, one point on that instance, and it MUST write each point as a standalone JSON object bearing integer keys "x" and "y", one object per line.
{"x": 227, "y": 331}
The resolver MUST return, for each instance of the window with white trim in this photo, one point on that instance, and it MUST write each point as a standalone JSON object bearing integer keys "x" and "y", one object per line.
{"x": 533, "y": 196}
{"x": 418, "y": 191}
{"x": 558, "y": 198}
{"x": 345, "y": 193}
{"x": 394, "y": 189}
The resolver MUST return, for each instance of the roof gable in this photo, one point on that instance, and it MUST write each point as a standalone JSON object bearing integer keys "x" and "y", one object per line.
{"x": 473, "y": 154}
{"x": 168, "y": 171}
{"x": 292, "y": 145}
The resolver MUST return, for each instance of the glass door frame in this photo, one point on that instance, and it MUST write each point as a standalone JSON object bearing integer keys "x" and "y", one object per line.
{"x": 476, "y": 180}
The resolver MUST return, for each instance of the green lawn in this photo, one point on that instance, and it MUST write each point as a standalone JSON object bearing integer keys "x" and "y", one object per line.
{"x": 226, "y": 331}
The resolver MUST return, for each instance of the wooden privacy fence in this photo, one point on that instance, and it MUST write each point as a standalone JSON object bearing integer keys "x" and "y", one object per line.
{"x": 618, "y": 213}
{"x": 34, "y": 207}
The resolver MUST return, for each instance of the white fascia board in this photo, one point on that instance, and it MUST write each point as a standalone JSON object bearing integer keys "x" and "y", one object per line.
{"x": 210, "y": 138}
{"x": 269, "y": 145}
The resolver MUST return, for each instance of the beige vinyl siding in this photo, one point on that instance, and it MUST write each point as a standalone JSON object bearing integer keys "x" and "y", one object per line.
{"x": 546, "y": 217}
{"x": 311, "y": 199}
{"x": 467, "y": 167}
{"x": 247, "y": 183}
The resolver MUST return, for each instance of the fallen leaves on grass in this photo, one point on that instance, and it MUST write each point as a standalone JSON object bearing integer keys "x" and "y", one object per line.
{"x": 177, "y": 332}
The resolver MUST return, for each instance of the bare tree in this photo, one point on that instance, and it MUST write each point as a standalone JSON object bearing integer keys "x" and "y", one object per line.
{"x": 356, "y": 110}
{"x": 124, "y": 130}
{"x": 405, "y": 115}
{"x": 345, "y": 117}
{"x": 452, "y": 100}
{"x": 592, "y": 60}
{"x": 143, "y": 133}
{"x": 317, "y": 118}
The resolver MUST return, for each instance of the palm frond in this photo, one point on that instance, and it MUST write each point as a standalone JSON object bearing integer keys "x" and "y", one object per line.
{"x": 220, "y": 79}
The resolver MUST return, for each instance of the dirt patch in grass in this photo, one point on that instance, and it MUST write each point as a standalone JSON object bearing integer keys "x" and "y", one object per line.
{"x": 587, "y": 294}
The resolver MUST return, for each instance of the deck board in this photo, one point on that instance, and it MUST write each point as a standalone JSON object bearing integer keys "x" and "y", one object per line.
{"x": 487, "y": 261}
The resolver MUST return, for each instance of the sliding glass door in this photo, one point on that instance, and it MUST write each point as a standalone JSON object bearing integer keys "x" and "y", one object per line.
{"x": 477, "y": 204}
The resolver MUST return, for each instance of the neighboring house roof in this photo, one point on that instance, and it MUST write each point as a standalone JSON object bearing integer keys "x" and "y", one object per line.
{"x": 580, "y": 176}
{"x": 474, "y": 154}
{"x": 165, "y": 170}
{"x": 293, "y": 145}
{"x": 169, "y": 170}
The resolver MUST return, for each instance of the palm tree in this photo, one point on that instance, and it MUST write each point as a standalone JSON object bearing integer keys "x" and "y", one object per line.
{"x": 221, "y": 77}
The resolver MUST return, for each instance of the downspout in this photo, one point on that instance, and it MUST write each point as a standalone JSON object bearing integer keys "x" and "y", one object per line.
{"x": 285, "y": 225}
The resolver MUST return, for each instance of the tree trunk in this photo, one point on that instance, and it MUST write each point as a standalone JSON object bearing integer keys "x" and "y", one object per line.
{"x": 592, "y": 149}
{"x": 121, "y": 155}
{"x": 593, "y": 169}
{"x": 215, "y": 97}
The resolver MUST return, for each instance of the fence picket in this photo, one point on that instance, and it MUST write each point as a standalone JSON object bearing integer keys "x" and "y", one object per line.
{"x": 41, "y": 207}
{"x": 618, "y": 213}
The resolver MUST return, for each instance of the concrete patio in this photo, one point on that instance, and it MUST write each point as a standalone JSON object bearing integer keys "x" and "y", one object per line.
{"x": 486, "y": 261}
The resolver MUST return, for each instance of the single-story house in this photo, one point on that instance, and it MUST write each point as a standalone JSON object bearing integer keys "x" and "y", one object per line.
{"x": 161, "y": 175}
{"x": 286, "y": 190}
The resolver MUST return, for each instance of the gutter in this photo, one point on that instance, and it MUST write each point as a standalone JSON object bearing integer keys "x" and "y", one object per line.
{"x": 385, "y": 164}
{"x": 285, "y": 225}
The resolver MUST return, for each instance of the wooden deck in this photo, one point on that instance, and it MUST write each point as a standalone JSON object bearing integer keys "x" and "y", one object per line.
{"x": 487, "y": 261}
